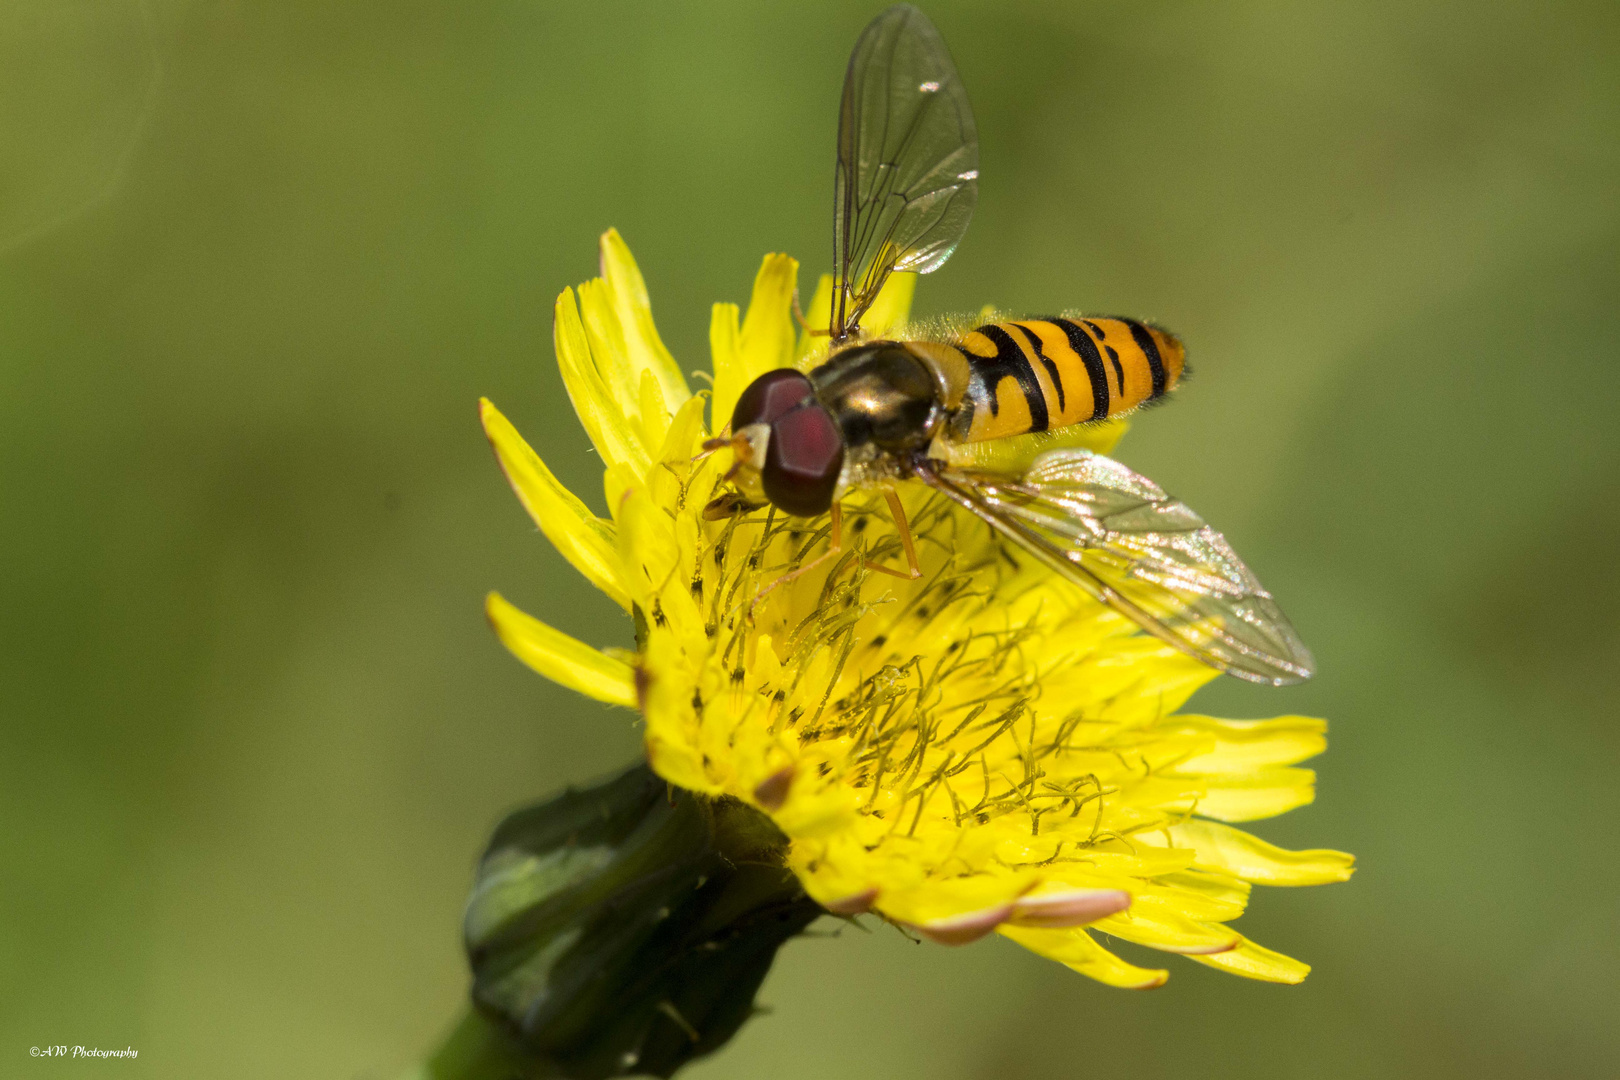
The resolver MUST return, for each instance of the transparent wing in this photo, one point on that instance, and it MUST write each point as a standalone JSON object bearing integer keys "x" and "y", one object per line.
{"x": 1117, "y": 535}
{"x": 908, "y": 161}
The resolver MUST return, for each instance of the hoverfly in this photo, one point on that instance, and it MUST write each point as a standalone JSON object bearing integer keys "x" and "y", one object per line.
{"x": 876, "y": 412}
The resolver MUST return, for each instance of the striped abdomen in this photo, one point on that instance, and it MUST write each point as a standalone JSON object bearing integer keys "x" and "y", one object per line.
{"x": 1009, "y": 378}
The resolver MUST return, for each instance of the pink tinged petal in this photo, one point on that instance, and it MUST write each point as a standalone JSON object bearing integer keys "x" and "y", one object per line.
{"x": 1072, "y": 907}
{"x": 855, "y": 904}
{"x": 963, "y": 929}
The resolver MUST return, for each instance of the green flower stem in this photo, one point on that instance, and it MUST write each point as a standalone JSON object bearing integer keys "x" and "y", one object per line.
{"x": 475, "y": 1049}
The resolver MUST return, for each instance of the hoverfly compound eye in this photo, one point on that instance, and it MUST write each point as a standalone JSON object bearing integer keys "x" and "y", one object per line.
{"x": 803, "y": 461}
{"x": 769, "y": 397}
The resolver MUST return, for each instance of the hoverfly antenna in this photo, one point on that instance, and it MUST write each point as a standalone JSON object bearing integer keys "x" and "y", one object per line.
{"x": 709, "y": 446}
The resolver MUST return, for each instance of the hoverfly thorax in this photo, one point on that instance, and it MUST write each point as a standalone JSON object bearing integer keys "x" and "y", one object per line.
{"x": 882, "y": 396}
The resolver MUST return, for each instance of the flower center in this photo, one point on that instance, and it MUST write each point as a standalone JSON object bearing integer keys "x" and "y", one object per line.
{"x": 919, "y": 695}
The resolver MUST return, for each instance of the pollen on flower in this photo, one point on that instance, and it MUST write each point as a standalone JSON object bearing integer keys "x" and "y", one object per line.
{"x": 983, "y": 748}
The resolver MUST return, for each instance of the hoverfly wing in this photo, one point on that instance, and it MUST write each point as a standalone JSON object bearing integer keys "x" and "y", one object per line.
{"x": 908, "y": 161}
{"x": 1149, "y": 556}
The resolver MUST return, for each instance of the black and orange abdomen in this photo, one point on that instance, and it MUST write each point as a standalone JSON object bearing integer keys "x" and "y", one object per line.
{"x": 1023, "y": 375}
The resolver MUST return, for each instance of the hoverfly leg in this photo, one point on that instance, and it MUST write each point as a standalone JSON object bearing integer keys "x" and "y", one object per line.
{"x": 901, "y": 526}
{"x": 834, "y": 548}
{"x": 725, "y": 505}
{"x": 798, "y": 317}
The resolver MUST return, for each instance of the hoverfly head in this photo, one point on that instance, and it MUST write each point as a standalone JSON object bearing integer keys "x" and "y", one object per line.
{"x": 787, "y": 445}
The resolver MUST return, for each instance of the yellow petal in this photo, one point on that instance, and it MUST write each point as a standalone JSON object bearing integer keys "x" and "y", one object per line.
{"x": 629, "y": 295}
{"x": 1252, "y": 859}
{"x": 1168, "y": 931}
{"x": 1245, "y": 745}
{"x": 666, "y": 682}
{"x": 680, "y": 441}
{"x": 767, "y": 329}
{"x": 651, "y": 557}
{"x": 816, "y": 317}
{"x": 1257, "y": 962}
{"x": 892, "y": 308}
{"x": 616, "y": 480}
{"x": 827, "y": 812}
{"x": 679, "y": 764}
{"x": 1203, "y": 894}
{"x": 1078, "y": 950}
{"x": 560, "y": 658}
{"x": 1261, "y": 794}
{"x": 608, "y": 349}
{"x": 585, "y": 540}
{"x": 725, "y": 353}
{"x": 887, "y": 315}
{"x": 938, "y": 901}
{"x": 654, "y": 418}
{"x": 764, "y": 341}
{"x": 602, "y": 416}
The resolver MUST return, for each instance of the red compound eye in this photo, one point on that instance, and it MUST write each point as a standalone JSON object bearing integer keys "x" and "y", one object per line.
{"x": 803, "y": 460}
{"x": 769, "y": 397}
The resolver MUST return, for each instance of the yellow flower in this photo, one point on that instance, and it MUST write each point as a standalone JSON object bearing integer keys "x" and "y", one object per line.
{"x": 984, "y": 748}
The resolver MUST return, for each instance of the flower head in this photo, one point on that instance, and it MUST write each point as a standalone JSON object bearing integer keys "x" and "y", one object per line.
{"x": 984, "y": 748}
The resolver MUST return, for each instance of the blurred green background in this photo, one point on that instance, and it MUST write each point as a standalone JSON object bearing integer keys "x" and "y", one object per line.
{"x": 259, "y": 260}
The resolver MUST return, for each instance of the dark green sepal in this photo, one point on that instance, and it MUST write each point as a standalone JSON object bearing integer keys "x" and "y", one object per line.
{"x": 624, "y": 929}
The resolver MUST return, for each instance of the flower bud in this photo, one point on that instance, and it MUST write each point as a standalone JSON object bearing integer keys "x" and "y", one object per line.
{"x": 624, "y": 929}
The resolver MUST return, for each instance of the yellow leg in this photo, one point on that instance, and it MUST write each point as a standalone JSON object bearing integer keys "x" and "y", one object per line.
{"x": 903, "y": 527}
{"x": 914, "y": 571}
{"x": 798, "y": 315}
{"x": 834, "y": 548}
